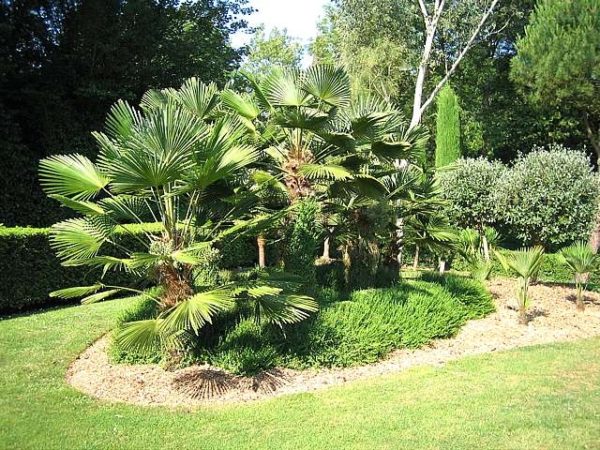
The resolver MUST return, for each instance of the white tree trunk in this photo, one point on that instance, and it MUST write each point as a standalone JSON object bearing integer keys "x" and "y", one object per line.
{"x": 431, "y": 23}
{"x": 326, "y": 249}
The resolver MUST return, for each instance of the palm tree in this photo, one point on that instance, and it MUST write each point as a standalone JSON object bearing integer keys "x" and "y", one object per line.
{"x": 526, "y": 264}
{"x": 581, "y": 261}
{"x": 319, "y": 139}
{"x": 174, "y": 162}
{"x": 475, "y": 246}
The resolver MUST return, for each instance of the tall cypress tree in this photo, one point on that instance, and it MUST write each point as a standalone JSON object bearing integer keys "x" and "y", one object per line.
{"x": 447, "y": 140}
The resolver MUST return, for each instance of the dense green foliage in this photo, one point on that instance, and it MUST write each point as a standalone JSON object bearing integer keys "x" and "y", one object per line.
{"x": 447, "y": 133}
{"x": 347, "y": 331}
{"x": 380, "y": 42}
{"x": 29, "y": 269}
{"x": 277, "y": 49}
{"x": 549, "y": 197}
{"x": 63, "y": 63}
{"x": 558, "y": 60}
{"x": 303, "y": 240}
{"x": 470, "y": 190}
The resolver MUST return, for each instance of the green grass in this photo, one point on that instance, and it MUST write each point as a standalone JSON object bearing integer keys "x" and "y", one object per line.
{"x": 538, "y": 397}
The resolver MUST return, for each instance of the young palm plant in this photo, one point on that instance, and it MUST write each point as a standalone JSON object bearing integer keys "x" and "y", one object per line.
{"x": 175, "y": 162}
{"x": 526, "y": 264}
{"x": 581, "y": 261}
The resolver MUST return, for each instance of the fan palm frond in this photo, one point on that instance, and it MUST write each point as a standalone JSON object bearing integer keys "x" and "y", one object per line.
{"x": 328, "y": 84}
{"x": 71, "y": 176}
{"x": 196, "y": 311}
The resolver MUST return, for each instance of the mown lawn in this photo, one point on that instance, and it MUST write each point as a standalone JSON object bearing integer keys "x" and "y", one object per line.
{"x": 538, "y": 397}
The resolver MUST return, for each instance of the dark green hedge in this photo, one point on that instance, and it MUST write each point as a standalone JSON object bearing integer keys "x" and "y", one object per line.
{"x": 29, "y": 269}
{"x": 552, "y": 270}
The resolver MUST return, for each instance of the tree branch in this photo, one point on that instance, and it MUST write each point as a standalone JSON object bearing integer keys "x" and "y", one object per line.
{"x": 461, "y": 55}
{"x": 424, "y": 11}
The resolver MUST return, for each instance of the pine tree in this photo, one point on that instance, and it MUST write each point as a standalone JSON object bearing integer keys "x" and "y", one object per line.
{"x": 447, "y": 141}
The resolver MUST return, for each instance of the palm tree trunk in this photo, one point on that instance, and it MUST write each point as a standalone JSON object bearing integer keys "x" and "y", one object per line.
{"x": 326, "y": 253}
{"x": 486, "y": 247}
{"x": 416, "y": 259}
{"x": 347, "y": 265}
{"x": 523, "y": 315}
{"x": 579, "y": 303}
{"x": 262, "y": 258}
{"x": 399, "y": 240}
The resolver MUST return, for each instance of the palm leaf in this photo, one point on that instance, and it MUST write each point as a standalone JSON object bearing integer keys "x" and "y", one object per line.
{"x": 74, "y": 292}
{"x": 71, "y": 176}
{"x": 324, "y": 172}
{"x": 81, "y": 206}
{"x": 141, "y": 336}
{"x": 79, "y": 239}
{"x": 99, "y": 296}
{"x": 282, "y": 88}
{"x": 329, "y": 84}
{"x": 121, "y": 120}
{"x": 242, "y": 104}
{"x": 197, "y": 97}
{"x": 196, "y": 311}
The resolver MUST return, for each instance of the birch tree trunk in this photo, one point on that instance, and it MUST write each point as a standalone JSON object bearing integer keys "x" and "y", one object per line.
{"x": 431, "y": 23}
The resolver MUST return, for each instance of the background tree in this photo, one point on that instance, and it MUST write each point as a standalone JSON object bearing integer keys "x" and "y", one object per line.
{"x": 558, "y": 60}
{"x": 277, "y": 48}
{"x": 470, "y": 190}
{"x": 447, "y": 134}
{"x": 63, "y": 64}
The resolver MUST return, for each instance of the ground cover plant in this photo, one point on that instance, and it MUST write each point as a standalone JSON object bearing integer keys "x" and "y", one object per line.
{"x": 354, "y": 328}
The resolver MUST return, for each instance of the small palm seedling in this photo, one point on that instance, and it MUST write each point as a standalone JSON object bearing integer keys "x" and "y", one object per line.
{"x": 581, "y": 261}
{"x": 474, "y": 248}
{"x": 526, "y": 265}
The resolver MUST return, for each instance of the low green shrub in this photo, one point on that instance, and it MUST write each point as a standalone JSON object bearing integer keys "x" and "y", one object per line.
{"x": 356, "y": 329}
{"x": 372, "y": 322}
{"x": 552, "y": 270}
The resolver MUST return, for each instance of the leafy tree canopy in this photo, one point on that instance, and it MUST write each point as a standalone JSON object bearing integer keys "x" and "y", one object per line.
{"x": 559, "y": 59}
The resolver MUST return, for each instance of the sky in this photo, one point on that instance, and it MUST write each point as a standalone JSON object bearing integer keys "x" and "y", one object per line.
{"x": 298, "y": 16}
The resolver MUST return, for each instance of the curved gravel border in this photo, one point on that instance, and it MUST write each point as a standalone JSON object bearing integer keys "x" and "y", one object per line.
{"x": 553, "y": 319}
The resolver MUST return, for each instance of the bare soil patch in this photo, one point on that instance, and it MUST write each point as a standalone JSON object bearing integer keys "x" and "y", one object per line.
{"x": 553, "y": 318}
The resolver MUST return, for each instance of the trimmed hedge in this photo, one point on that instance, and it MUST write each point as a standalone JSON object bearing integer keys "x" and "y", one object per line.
{"x": 551, "y": 271}
{"x": 30, "y": 270}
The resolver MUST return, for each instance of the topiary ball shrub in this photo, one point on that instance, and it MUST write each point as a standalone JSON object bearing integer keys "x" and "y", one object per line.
{"x": 549, "y": 197}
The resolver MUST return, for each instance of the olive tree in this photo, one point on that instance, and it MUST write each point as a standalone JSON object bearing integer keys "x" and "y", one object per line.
{"x": 470, "y": 186}
{"x": 549, "y": 197}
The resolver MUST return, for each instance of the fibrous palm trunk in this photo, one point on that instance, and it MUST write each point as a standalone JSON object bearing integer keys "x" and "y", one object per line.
{"x": 416, "y": 259}
{"x": 262, "y": 258}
